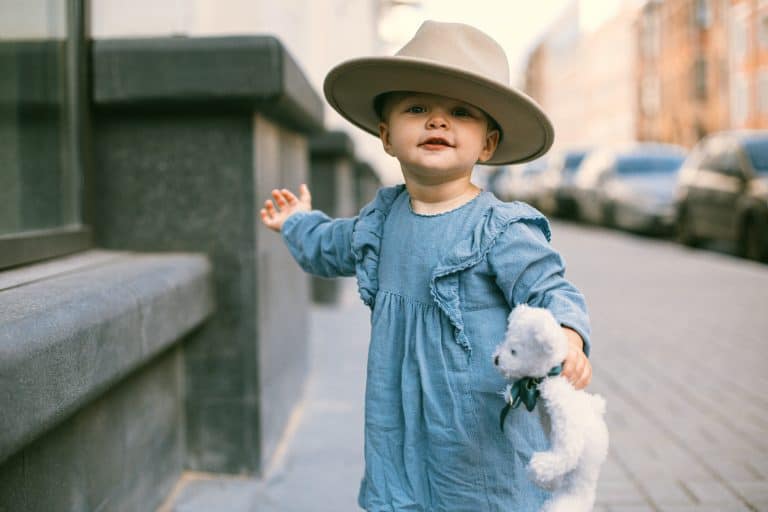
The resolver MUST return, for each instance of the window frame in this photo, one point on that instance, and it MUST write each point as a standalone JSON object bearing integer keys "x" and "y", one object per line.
{"x": 30, "y": 246}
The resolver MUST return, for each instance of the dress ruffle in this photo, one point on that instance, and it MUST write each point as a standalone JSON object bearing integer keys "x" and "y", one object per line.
{"x": 366, "y": 241}
{"x": 444, "y": 285}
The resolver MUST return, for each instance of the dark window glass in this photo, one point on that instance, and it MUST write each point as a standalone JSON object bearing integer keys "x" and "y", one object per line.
{"x": 700, "y": 79}
{"x": 627, "y": 165}
{"x": 38, "y": 186}
{"x": 40, "y": 118}
{"x": 757, "y": 152}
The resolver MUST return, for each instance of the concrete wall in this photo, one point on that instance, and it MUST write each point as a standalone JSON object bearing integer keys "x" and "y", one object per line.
{"x": 187, "y": 167}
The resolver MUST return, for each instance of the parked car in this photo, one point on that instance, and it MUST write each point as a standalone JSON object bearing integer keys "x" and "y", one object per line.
{"x": 723, "y": 192}
{"x": 556, "y": 188}
{"x": 520, "y": 182}
{"x": 641, "y": 197}
{"x": 630, "y": 186}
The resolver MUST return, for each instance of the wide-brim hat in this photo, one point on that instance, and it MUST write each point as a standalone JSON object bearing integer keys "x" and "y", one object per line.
{"x": 453, "y": 60}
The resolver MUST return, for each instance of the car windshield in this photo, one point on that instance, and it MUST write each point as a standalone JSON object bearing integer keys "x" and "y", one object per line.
{"x": 757, "y": 151}
{"x": 646, "y": 164}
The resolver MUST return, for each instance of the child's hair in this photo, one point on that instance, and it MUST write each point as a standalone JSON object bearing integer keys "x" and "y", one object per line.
{"x": 383, "y": 101}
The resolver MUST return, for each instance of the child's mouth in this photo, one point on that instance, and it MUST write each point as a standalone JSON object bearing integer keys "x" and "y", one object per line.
{"x": 435, "y": 143}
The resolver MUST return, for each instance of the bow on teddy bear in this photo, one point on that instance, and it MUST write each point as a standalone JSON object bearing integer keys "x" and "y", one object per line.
{"x": 530, "y": 356}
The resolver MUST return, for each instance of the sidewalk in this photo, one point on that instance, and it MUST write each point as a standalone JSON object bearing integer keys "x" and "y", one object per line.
{"x": 681, "y": 362}
{"x": 318, "y": 466}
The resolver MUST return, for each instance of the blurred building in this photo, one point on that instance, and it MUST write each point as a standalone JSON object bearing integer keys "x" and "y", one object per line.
{"x": 535, "y": 74}
{"x": 682, "y": 70}
{"x": 748, "y": 63}
{"x": 585, "y": 80}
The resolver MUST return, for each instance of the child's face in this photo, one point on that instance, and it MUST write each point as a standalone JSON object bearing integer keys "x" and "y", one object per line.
{"x": 434, "y": 135}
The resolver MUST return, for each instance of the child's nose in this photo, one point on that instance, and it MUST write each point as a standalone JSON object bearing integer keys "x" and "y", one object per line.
{"x": 437, "y": 120}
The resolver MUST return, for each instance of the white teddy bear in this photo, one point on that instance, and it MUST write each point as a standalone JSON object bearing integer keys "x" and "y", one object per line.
{"x": 534, "y": 347}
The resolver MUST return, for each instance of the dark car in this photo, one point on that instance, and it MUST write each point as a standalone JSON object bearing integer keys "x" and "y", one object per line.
{"x": 630, "y": 186}
{"x": 723, "y": 192}
{"x": 555, "y": 183}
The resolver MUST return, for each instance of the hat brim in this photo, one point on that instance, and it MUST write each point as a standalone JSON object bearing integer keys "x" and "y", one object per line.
{"x": 351, "y": 87}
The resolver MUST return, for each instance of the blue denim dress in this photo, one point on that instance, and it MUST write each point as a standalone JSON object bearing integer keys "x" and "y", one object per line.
{"x": 440, "y": 288}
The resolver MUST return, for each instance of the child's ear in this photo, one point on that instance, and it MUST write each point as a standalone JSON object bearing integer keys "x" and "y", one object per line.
{"x": 491, "y": 142}
{"x": 384, "y": 136}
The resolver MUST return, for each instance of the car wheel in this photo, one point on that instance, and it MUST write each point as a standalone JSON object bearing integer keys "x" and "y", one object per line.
{"x": 609, "y": 215}
{"x": 684, "y": 231}
{"x": 753, "y": 241}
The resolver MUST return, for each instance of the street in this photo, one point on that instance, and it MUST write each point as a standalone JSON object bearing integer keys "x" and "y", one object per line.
{"x": 678, "y": 353}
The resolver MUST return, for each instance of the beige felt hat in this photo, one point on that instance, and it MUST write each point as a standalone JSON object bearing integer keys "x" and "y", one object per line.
{"x": 453, "y": 60}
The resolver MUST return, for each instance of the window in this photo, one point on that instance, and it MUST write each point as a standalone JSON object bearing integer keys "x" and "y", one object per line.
{"x": 739, "y": 101}
{"x": 651, "y": 31}
{"x": 42, "y": 97}
{"x": 762, "y": 91}
{"x": 702, "y": 13}
{"x": 650, "y": 95}
{"x": 700, "y": 79}
{"x": 762, "y": 30}
{"x": 739, "y": 41}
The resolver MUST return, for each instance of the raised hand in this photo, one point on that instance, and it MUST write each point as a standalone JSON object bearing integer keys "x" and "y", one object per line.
{"x": 287, "y": 203}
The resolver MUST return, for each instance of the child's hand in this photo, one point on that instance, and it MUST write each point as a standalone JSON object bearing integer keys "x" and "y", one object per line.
{"x": 576, "y": 368}
{"x": 288, "y": 203}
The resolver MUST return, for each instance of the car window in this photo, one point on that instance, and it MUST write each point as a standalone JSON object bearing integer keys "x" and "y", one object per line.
{"x": 721, "y": 159}
{"x": 573, "y": 160}
{"x": 646, "y": 164}
{"x": 728, "y": 163}
{"x": 757, "y": 152}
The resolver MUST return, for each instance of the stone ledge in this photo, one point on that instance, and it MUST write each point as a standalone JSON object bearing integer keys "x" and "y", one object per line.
{"x": 210, "y": 73}
{"x": 67, "y": 338}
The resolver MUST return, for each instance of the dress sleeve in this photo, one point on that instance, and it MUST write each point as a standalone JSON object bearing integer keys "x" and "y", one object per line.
{"x": 529, "y": 271}
{"x": 320, "y": 245}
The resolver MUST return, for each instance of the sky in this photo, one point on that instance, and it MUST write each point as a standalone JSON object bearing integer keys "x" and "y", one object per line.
{"x": 515, "y": 24}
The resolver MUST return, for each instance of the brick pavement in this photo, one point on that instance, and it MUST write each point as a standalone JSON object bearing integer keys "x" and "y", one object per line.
{"x": 679, "y": 350}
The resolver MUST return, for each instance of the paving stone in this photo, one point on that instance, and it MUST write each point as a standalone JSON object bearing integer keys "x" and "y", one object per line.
{"x": 710, "y": 492}
{"x": 631, "y": 508}
{"x": 754, "y": 491}
{"x": 619, "y": 493}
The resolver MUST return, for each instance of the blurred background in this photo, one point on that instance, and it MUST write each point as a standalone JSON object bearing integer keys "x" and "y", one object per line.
{"x": 161, "y": 350}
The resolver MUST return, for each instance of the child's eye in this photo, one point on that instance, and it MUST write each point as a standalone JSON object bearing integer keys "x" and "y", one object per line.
{"x": 460, "y": 112}
{"x": 415, "y": 109}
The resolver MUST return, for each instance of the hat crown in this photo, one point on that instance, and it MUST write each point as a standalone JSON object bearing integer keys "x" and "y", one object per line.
{"x": 459, "y": 46}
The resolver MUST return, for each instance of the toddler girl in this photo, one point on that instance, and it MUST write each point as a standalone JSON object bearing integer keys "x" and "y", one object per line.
{"x": 441, "y": 264}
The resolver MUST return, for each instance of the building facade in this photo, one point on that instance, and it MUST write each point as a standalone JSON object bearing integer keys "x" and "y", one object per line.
{"x": 585, "y": 80}
{"x": 748, "y": 63}
{"x": 682, "y": 70}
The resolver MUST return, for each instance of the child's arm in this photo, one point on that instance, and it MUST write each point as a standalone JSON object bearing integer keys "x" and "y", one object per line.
{"x": 529, "y": 271}
{"x": 320, "y": 245}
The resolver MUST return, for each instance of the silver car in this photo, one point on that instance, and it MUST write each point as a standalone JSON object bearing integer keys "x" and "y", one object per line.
{"x": 630, "y": 187}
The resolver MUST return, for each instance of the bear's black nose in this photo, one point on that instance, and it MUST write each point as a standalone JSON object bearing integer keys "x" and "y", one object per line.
{"x": 496, "y": 360}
